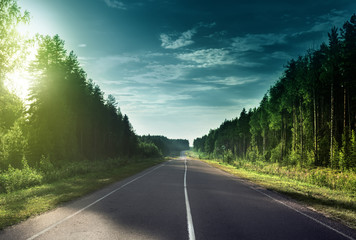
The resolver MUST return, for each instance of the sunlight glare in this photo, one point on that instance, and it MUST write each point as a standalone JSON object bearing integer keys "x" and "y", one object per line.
{"x": 19, "y": 80}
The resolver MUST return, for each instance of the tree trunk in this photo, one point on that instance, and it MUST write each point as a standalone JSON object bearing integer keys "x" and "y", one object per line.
{"x": 295, "y": 128}
{"x": 344, "y": 108}
{"x": 244, "y": 147}
{"x": 316, "y": 159}
{"x": 331, "y": 120}
{"x": 81, "y": 141}
{"x": 264, "y": 142}
{"x": 348, "y": 110}
{"x": 301, "y": 129}
{"x": 95, "y": 145}
{"x": 282, "y": 138}
{"x": 285, "y": 138}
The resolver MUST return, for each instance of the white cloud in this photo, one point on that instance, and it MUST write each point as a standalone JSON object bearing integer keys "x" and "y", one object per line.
{"x": 84, "y": 61}
{"x": 228, "y": 81}
{"x": 82, "y": 45}
{"x": 183, "y": 40}
{"x": 281, "y": 55}
{"x": 208, "y": 57}
{"x": 174, "y": 41}
{"x": 106, "y": 63}
{"x": 217, "y": 35}
{"x": 207, "y": 25}
{"x": 255, "y": 42}
{"x": 325, "y": 22}
{"x": 156, "y": 73}
{"x": 234, "y": 81}
{"x": 115, "y": 4}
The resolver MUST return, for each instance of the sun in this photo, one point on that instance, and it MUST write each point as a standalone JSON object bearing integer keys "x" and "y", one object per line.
{"x": 19, "y": 81}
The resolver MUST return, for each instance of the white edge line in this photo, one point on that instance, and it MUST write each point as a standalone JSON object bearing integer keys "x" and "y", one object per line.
{"x": 81, "y": 210}
{"x": 305, "y": 215}
{"x": 189, "y": 215}
{"x": 290, "y": 207}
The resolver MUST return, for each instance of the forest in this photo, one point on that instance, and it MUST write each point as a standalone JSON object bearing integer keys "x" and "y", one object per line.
{"x": 307, "y": 118}
{"x": 66, "y": 118}
{"x": 167, "y": 146}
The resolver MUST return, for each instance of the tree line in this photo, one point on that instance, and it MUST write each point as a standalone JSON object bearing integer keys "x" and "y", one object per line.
{"x": 67, "y": 118}
{"x": 307, "y": 118}
{"x": 167, "y": 146}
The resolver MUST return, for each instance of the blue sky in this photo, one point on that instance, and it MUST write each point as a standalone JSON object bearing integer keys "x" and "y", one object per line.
{"x": 181, "y": 67}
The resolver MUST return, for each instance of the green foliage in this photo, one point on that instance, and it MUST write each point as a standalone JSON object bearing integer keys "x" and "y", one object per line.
{"x": 69, "y": 120}
{"x": 13, "y": 146}
{"x": 15, "y": 179}
{"x": 276, "y": 153}
{"x": 337, "y": 202}
{"x": 68, "y": 128}
{"x": 67, "y": 170}
{"x": 46, "y": 165}
{"x": 11, "y": 44}
{"x": 306, "y": 118}
{"x": 323, "y": 177}
{"x": 20, "y": 205}
{"x": 149, "y": 150}
{"x": 335, "y": 159}
{"x": 11, "y": 49}
{"x": 165, "y": 145}
{"x": 353, "y": 151}
{"x": 228, "y": 156}
{"x": 253, "y": 154}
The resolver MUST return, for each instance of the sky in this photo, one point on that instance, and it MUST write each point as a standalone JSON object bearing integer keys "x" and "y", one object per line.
{"x": 179, "y": 68}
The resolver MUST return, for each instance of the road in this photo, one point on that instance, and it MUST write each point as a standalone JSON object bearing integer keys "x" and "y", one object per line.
{"x": 180, "y": 199}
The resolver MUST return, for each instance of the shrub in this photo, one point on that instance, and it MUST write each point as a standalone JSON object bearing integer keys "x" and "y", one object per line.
{"x": 228, "y": 156}
{"x": 13, "y": 145}
{"x": 149, "y": 150}
{"x": 15, "y": 179}
{"x": 46, "y": 165}
{"x": 276, "y": 155}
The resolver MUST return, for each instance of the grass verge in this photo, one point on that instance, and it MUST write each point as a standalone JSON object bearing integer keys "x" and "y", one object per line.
{"x": 336, "y": 204}
{"x": 19, "y": 205}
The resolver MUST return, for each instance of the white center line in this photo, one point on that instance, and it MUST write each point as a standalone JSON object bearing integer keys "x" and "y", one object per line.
{"x": 81, "y": 210}
{"x": 189, "y": 215}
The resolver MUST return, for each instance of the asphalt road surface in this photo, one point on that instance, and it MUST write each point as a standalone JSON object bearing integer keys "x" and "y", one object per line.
{"x": 180, "y": 199}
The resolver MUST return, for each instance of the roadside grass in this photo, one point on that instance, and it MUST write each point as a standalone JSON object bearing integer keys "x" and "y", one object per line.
{"x": 16, "y": 206}
{"x": 339, "y": 204}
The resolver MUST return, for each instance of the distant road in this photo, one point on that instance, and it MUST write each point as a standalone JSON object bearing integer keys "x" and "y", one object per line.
{"x": 180, "y": 199}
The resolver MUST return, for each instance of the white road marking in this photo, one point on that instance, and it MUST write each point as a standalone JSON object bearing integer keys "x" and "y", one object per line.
{"x": 189, "y": 215}
{"x": 288, "y": 206}
{"x": 305, "y": 215}
{"x": 98, "y": 200}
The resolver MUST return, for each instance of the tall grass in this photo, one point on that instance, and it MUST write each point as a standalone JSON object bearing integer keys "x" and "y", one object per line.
{"x": 14, "y": 179}
{"x": 319, "y": 176}
{"x": 323, "y": 177}
{"x": 81, "y": 178}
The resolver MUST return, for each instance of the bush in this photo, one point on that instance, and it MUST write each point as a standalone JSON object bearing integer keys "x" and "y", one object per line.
{"x": 148, "y": 150}
{"x": 13, "y": 145}
{"x": 228, "y": 156}
{"x": 46, "y": 165}
{"x": 276, "y": 153}
{"x": 253, "y": 154}
{"x": 15, "y": 179}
